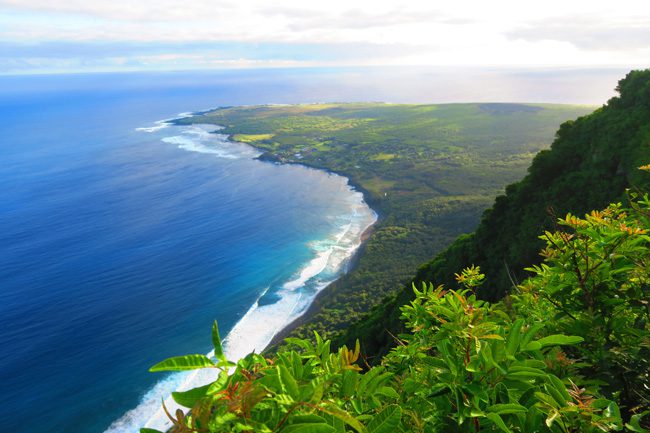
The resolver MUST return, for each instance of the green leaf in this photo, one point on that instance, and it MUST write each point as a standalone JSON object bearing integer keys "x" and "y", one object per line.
{"x": 366, "y": 378}
{"x": 532, "y": 346}
{"x": 287, "y": 382}
{"x": 385, "y": 421}
{"x": 612, "y": 411}
{"x": 306, "y": 419}
{"x": 339, "y": 426}
{"x": 180, "y": 363}
{"x": 514, "y": 337}
{"x": 534, "y": 329}
{"x": 189, "y": 398}
{"x": 498, "y": 421}
{"x": 559, "y": 340}
{"x": 507, "y": 408}
{"x": 558, "y": 390}
{"x": 303, "y": 344}
{"x": 149, "y": 430}
{"x": 309, "y": 428}
{"x": 519, "y": 371}
{"x": 219, "y": 384}
{"x": 345, "y": 417}
{"x": 635, "y": 423}
{"x": 545, "y": 398}
{"x": 216, "y": 342}
{"x": 387, "y": 391}
{"x": 349, "y": 382}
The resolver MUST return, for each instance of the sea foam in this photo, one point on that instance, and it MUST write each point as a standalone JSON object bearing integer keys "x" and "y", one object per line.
{"x": 205, "y": 139}
{"x": 263, "y": 321}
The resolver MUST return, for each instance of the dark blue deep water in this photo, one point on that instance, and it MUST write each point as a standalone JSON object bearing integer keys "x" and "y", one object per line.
{"x": 122, "y": 239}
{"x": 119, "y": 246}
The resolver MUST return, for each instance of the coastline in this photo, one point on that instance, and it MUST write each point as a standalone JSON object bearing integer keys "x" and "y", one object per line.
{"x": 284, "y": 324}
{"x": 315, "y": 304}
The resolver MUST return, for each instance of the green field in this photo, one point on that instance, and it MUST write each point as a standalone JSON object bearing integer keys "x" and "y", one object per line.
{"x": 429, "y": 170}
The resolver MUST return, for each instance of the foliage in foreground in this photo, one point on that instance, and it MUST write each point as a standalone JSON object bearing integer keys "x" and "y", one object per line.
{"x": 565, "y": 354}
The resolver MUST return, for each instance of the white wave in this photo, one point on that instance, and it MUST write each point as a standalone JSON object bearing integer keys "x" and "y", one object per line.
{"x": 192, "y": 145}
{"x": 315, "y": 267}
{"x": 162, "y": 124}
{"x": 261, "y": 323}
{"x": 202, "y": 138}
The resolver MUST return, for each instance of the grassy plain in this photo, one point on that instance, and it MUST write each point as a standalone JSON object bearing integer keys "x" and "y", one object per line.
{"x": 429, "y": 171}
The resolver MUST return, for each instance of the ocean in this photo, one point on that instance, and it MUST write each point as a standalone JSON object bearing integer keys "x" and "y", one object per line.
{"x": 123, "y": 237}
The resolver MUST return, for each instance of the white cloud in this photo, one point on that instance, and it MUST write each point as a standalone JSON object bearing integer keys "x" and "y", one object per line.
{"x": 498, "y": 32}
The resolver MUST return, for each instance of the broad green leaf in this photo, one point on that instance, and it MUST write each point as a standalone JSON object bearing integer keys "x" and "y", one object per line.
{"x": 533, "y": 420}
{"x": 349, "y": 382}
{"x": 532, "y": 346}
{"x": 498, "y": 421}
{"x": 216, "y": 342}
{"x": 385, "y": 421}
{"x": 309, "y": 428}
{"x": 612, "y": 411}
{"x": 514, "y": 337}
{"x": 149, "y": 430}
{"x": 491, "y": 337}
{"x": 561, "y": 395}
{"x": 319, "y": 389}
{"x": 189, "y": 398}
{"x": 366, "y": 378}
{"x": 345, "y": 417}
{"x": 219, "y": 384}
{"x": 518, "y": 371}
{"x": 545, "y": 398}
{"x": 287, "y": 382}
{"x": 507, "y": 408}
{"x": 339, "y": 426}
{"x": 532, "y": 331}
{"x": 180, "y": 363}
{"x": 296, "y": 365}
{"x": 527, "y": 398}
{"x": 635, "y": 423}
{"x": 559, "y": 339}
{"x": 309, "y": 418}
{"x": 303, "y": 344}
{"x": 387, "y": 391}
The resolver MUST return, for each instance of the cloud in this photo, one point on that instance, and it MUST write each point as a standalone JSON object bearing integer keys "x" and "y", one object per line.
{"x": 589, "y": 33}
{"x": 462, "y": 32}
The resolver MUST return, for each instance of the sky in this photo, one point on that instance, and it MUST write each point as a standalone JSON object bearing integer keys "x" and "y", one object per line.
{"x": 44, "y": 36}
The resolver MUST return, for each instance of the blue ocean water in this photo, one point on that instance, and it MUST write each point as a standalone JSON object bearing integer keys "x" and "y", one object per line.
{"x": 122, "y": 238}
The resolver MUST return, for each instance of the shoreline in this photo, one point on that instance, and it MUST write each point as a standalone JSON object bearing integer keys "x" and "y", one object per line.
{"x": 352, "y": 261}
{"x": 347, "y": 265}
{"x": 314, "y": 304}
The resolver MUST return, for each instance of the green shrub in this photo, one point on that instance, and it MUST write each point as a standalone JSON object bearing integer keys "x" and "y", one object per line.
{"x": 560, "y": 356}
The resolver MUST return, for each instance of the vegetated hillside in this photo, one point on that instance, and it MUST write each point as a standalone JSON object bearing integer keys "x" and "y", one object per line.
{"x": 590, "y": 164}
{"x": 568, "y": 353}
{"x": 429, "y": 170}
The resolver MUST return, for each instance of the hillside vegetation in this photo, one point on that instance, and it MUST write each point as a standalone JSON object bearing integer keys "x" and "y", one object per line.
{"x": 590, "y": 164}
{"x": 565, "y": 354}
{"x": 429, "y": 170}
